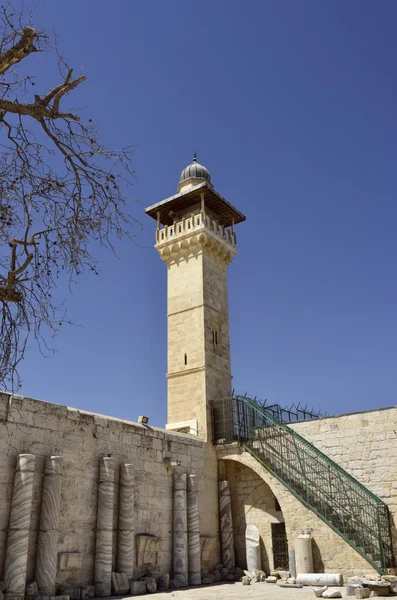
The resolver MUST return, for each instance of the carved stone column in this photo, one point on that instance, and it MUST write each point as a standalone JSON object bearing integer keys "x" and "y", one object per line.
{"x": 104, "y": 533}
{"x": 226, "y": 525}
{"x": 193, "y": 531}
{"x": 47, "y": 548}
{"x": 180, "y": 547}
{"x": 304, "y": 552}
{"x": 19, "y": 528}
{"x": 125, "y": 550}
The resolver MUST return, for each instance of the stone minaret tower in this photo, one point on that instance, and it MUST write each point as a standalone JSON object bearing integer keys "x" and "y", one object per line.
{"x": 196, "y": 239}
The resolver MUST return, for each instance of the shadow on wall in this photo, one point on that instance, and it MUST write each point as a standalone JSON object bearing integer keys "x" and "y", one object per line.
{"x": 317, "y": 560}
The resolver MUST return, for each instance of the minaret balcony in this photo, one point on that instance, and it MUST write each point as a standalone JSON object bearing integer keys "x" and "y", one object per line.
{"x": 194, "y": 223}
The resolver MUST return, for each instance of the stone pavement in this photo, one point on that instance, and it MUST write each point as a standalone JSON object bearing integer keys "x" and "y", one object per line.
{"x": 235, "y": 591}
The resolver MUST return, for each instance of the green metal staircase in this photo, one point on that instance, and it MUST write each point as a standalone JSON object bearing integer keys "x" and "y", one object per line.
{"x": 350, "y": 509}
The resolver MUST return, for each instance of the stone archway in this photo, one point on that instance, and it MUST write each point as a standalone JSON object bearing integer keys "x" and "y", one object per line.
{"x": 253, "y": 503}
{"x": 330, "y": 551}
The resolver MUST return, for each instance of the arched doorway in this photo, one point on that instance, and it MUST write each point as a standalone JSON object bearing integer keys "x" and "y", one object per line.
{"x": 254, "y": 503}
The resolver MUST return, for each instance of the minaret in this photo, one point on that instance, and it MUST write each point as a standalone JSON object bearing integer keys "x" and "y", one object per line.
{"x": 196, "y": 239}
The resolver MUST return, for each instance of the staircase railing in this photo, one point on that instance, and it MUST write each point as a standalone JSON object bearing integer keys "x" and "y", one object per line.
{"x": 350, "y": 509}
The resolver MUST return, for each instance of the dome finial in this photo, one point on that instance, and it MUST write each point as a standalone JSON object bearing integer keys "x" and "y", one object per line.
{"x": 194, "y": 156}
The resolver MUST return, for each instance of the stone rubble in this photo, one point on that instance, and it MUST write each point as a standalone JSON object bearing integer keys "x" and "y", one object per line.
{"x": 331, "y": 594}
{"x": 362, "y": 593}
{"x": 318, "y": 591}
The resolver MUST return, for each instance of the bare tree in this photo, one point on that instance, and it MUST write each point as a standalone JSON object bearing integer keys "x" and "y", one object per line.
{"x": 61, "y": 192}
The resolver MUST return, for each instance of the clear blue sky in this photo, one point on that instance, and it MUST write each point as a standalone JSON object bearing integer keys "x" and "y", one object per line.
{"x": 292, "y": 107}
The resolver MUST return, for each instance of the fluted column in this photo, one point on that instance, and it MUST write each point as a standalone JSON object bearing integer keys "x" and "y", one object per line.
{"x": 47, "y": 548}
{"x": 180, "y": 550}
{"x": 226, "y": 525}
{"x": 104, "y": 533}
{"x": 19, "y": 528}
{"x": 193, "y": 531}
{"x": 125, "y": 550}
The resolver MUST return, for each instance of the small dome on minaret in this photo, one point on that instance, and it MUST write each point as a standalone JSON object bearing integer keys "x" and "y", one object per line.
{"x": 194, "y": 171}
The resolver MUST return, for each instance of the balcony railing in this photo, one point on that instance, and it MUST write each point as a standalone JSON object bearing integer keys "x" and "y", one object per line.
{"x": 193, "y": 223}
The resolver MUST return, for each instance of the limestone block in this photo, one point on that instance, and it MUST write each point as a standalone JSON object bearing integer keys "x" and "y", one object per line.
{"x": 332, "y": 594}
{"x": 138, "y": 588}
{"x": 163, "y": 582}
{"x": 282, "y": 583}
{"x": 31, "y": 590}
{"x": 73, "y": 592}
{"x": 246, "y": 580}
{"x": 103, "y": 589}
{"x": 120, "y": 584}
{"x": 87, "y": 591}
{"x": 151, "y": 585}
{"x": 271, "y": 579}
{"x": 351, "y": 588}
{"x": 318, "y": 591}
{"x": 70, "y": 561}
{"x": 362, "y": 593}
{"x": 380, "y": 592}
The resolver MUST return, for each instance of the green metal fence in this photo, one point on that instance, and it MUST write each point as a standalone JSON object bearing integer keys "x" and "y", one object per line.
{"x": 356, "y": 514}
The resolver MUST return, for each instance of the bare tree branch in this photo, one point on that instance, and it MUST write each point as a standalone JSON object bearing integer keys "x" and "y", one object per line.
{"x": 61, "y": 193}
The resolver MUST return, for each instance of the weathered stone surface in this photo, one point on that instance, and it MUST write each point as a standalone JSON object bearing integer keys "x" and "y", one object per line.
{"x": 351, "y": 588}
{"x": 271, "y": 579}
{"x": 163, "y": 582}
{"x": 70, "y": 561}
{"x": 104, "y": 537}
{"x": 137, "y": 588}
{"x": 291, "y": 580}
{"x": 47, "y": 546}
{"x": 174, "y": 584}
{"x": 252, "y": 541}
{"x": 61, "y": 597}
{"x": 32, "y": 590}
{"x": 151, "y": 585}
{"x": 291, "y": 561}
{"x": 226, "y": 525}
{"x": 19, "y": 526}
{"x": 193, "y": 531}
{"x": 304, "y": 552}
{"x": 379, "y": 592}
{"x": 120, "y": 584}
{"x": 282, "y": 583}
{"x": 246, "y": 580}
{"x": 87, "y": 591}
{"x": 329, "y": 579}
{"x": 332, "y": 594}
{"x": 318, "y": 591}
{"x": 180, "y": 539}
{"x": 125, "y": 548}
{"x": 206, "y": 581}
{"x": 362, "y": 593}
{"x": 74, "y": 593}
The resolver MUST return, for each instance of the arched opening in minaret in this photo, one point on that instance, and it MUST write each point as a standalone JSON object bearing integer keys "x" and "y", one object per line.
{"x": 254, "y": 503}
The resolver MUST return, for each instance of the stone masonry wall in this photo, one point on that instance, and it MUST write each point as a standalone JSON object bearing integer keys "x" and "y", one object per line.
{"x": 83, "y": 439}
{"x": 365, "y": 445}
